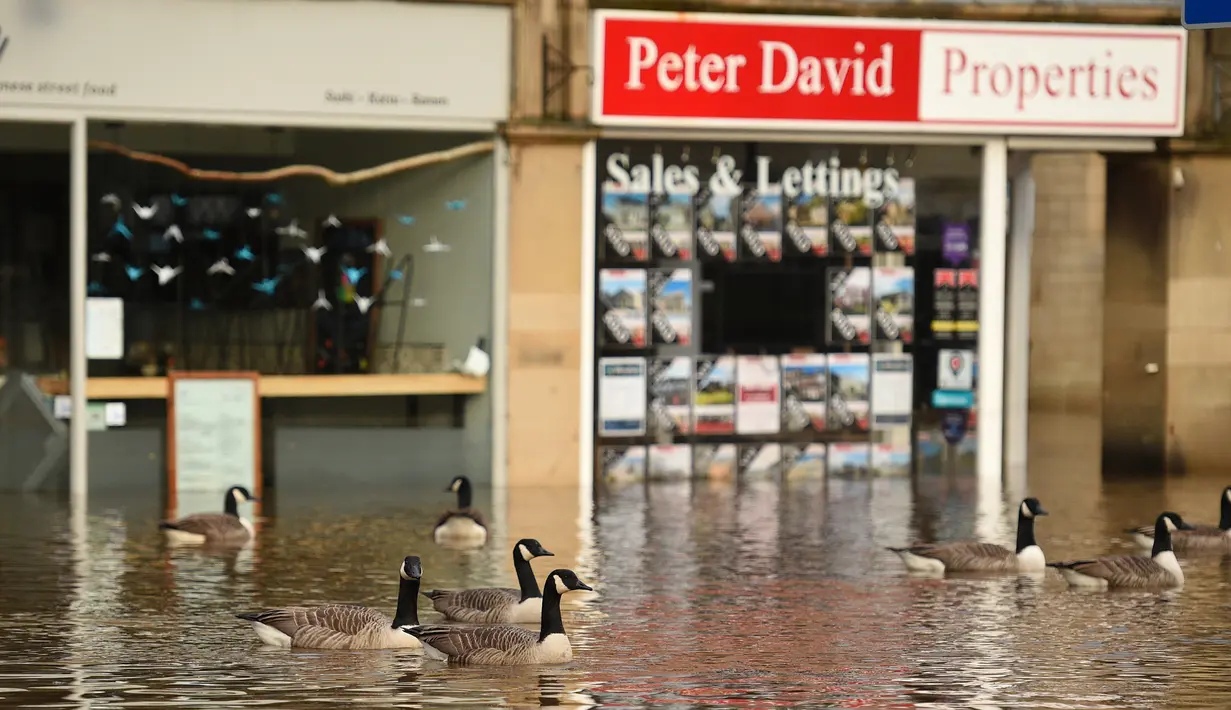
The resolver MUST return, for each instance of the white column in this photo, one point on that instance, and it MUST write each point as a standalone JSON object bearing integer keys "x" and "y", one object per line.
{"x": 992, "y": 237}
{"x": 78, "y": 261}
{"x": 585, "y": 468}
{"x": 499, "y": 381}
{"x": 1017, "y": 342}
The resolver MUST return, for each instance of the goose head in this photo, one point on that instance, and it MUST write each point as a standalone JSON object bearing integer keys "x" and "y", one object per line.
{"x": 1173, "y": 522}
{"x": 412, "y": 568}
{"x": 529, "y": 548}
{"x": 1031, "y": 508}
{"x": 458, "y": 484}
{"x": 565, "y": 580}
{"x": 241, "y": 495}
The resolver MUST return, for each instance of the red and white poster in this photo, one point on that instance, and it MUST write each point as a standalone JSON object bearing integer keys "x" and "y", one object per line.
{"x": 758, "y": 395}
{"x": 681, "y": 69}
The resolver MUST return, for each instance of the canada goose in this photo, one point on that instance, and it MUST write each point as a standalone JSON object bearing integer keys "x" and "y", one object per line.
{"x": 506, "y": 645}
{"x": 344, "y": 626}
{"x": 981, "y": 556}
{"x": 463, "y": 524}
{"x": 1160, "y": 570}
{"x": 1195, "y": 537}
{"x": 497, "y": 605}
{"x": 225, "y": 527}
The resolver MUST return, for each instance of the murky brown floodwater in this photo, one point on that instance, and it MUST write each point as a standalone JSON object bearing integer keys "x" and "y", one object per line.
{"x": 710, "y": 595}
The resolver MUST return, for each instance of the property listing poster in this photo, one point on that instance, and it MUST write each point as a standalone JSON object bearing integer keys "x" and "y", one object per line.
{"x": 759, "y": 462}
{"x": 713, "y": 404}
{"x": 670, "y": 395}
{"x": 622, "y": 296}
{"x": 671, "y": 225}
{"x": 761, "y": 226}
{"x": 944, "y": 323}
{"x": 849, "y": 460}
{"x": 967, "y": 325}
{"x": 891, "y": 459}
{"x": 715, "y": 217}
{"x": 803, "y": 461}
{"x": 671, "y": 299}
{"x": 670, "y": 462}
{"x": 805, "y": 384}
{"x": 893, "y": 293}
{"x": 715, "y": 462}
{"x": 850, "y": 292}
{"x": 758, "y": 406}
{"x": 850, "y": 228}
{"x": 625, "y": 225}
{"x": 622, "y": 464}
{"x": 895, "y": 220}
{"x": 621, "y": 396}
{"x": 807, "y": 226}
{"x": 893, "y": 383}
{"x": 849, "y": 380}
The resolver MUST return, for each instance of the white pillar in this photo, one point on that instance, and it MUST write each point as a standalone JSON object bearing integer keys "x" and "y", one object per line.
{"x": 589, "y": 177}
{"x": 78, "y": 262}
{"x": 499, "y": 381}
{"x": 1017, "y": 342}
{"x": 992, "y": 237}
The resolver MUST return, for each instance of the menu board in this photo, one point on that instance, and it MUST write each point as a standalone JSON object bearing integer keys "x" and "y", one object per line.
{"x": 213, "y": 432}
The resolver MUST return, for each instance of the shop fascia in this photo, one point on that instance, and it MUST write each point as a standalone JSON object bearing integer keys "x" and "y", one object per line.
{"x": 823, "y": 179}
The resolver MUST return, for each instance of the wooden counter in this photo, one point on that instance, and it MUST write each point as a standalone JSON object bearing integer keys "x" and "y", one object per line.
{"x": 445, "y": 383}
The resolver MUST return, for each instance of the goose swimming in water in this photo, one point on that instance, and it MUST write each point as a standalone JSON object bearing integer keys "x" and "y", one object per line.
{"x": 982, "y": 556}
{"x": 344, "y": 626}
{"x": 464, "y": 524}
{"x": 1194, "y": 537}
{"x": 506, "y": 645}
{"x": 497, "y": 605}
{"x": 1160, "y": 570}
{"x": 215, "y": 528}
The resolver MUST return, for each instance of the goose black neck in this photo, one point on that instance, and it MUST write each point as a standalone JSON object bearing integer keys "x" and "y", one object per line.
{"x": 1025, "y": 531}
{"x": 463, "y": 495}
{"x": 407, "y": 613}
{"x": 229, "y": 506}
{"x": 1224, "y": 520}
{"x": 551, "y": 622}
{"x": 525, "y": 576}
{"x": 1162, "y": 538}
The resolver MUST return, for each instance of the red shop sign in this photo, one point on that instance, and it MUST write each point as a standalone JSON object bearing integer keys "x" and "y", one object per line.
{"x": 665, "y": 69}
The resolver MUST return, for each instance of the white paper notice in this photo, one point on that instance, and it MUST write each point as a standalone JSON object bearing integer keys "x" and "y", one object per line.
{"x": 621, "y": 396}
{"x": 758, "y": 396}
{"x": 104, "y": 328}
{"x": 893, "y": 383}
{"x": 116, "y": 414}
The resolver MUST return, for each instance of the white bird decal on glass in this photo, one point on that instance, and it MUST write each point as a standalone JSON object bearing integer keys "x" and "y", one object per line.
{"x": 363, "y": 303}
{"x": 321, "y": 301}
{"x": 173, "y": 232}
{"x": 102, "y": 257}
{"x": 313, "y": 253}
{"x": 254, "y": 212}
{"x": 166, "y": 273}
{"x": 111, "y": 199}
{"x": 145, "y": 212}
{"x": 380, "y": 247}
{"x": 418, "y": 302}
{"x": 291, "y": 230}
{"x": 434, "y": 245}
{"x": 222, "y": 266}
{"x": 332, "y": 221}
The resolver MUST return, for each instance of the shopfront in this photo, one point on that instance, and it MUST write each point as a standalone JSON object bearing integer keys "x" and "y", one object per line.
{"x": 803, "y": 233}
{"x": 299, "y": 191}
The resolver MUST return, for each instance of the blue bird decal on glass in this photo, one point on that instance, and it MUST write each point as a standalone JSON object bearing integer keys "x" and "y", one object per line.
{"x": 196, "y": 305}
{"x": 245, "y": 254}
{"x": 268, "y": 286}
{"x": 406, "y": 219}
{"x": 122, "y": 229}
{"x": 273, "y": 198}
{"x": 212, "y": 234}
{"x": 355, "y": 275}
{"x": 455, "y": 205}
{"x": 134, "y": 272}
{"x": 95, "y": 288}
{"x": 179, "y": 200}
{"x": 395, "y": 275}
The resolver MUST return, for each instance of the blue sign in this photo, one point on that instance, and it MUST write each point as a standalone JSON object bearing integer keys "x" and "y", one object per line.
{"x": 953, "y": 427}
{"x": 1204, "y": 14}
{"x": 953, "y": 399}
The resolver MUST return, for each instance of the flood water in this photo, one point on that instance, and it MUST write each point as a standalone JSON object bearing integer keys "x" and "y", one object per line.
{"x": 708, "y": 595}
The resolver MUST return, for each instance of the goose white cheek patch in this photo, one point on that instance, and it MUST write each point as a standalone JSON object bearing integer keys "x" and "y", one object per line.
{"x": 561, "y": 587}
{"x": 1026, "y": 511}
{"x": 402, "y": 572}
{"x": 525, "y": 553}
{"x": 239, "y": 498}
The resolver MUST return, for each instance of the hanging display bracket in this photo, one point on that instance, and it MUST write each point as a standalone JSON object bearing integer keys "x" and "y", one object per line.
{"x": 558, "y": 69}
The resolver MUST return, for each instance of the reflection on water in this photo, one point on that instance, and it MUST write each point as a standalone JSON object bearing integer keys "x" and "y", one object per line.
{"x": 710, "y": 595}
